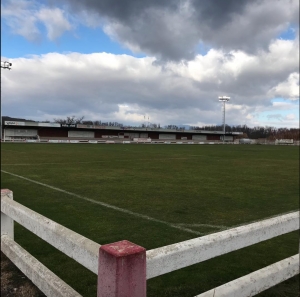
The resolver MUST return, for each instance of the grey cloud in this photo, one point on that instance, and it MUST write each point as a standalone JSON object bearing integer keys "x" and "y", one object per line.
{"x": 217, "y": 13}
{"x": 214, "y": 13}
{"x": 164, "y": 39}
{"x": 125, "y": 10}
{"x": 254, "y": 28}
{"x": 171, "y": 30}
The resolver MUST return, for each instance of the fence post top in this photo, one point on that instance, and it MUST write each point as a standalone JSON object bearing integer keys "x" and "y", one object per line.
{"x": 122, "y": 248}
{"x": 5, "y": 192}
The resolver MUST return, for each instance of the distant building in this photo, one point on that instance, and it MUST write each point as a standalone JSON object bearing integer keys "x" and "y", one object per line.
{"x": 17, "y": 130}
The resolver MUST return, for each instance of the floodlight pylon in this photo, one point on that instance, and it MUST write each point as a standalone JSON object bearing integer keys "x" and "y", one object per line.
{"x": 224, "y": 99}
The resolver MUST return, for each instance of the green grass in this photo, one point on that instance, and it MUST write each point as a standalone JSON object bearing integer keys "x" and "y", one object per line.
{"x": 180, "y": 184}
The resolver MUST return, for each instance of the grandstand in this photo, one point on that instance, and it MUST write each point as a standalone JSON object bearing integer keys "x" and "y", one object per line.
{"x": 42, "y": 131}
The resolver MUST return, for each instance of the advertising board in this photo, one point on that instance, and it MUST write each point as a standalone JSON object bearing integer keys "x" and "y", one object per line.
{"x": 13, "y": 123}
{"x": 32, "y": 124}
{"x": 68, "y": 125}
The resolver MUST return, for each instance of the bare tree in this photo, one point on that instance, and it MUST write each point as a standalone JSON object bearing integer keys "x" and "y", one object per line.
{"x": 69, "y": 120}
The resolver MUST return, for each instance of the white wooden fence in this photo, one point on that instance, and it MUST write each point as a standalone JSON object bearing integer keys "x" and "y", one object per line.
{"x": 124, "y": 267}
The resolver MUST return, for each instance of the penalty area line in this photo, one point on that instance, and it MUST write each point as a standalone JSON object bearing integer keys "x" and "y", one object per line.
{"x": 123, "y": 210}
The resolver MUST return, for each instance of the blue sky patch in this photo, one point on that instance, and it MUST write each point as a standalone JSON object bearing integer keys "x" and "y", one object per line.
{"x": 289, "y": 34}
{"x": 83, "y": 40}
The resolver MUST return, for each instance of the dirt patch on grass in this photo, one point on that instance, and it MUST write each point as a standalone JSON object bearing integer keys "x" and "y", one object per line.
{"x": 14, "y": 283}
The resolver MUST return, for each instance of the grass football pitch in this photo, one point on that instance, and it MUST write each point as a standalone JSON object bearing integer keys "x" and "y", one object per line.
{"x": 202, "y": 188}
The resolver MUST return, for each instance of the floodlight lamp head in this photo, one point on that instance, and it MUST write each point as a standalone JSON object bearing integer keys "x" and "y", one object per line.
{"x": 6, "y": 65}
{"x": 224, "y": 98}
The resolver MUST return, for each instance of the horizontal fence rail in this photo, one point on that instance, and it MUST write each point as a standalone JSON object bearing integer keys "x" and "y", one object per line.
{"x": 258, "y": 281}
{"x": 74, "y": 245}
{"x": 179, "y": 255}
{"x": 40, "y": 275}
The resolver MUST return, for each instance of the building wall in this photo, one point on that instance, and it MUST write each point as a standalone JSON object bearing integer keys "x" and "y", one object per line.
{"x": 199, "y": 137}
{"x": 167, "y": 136}
{"x": 98, "y": 133}
{"x": 79, "y": 133}
{"x": 20, "y": 132}
{"x": 153, "y": 135}
{"x": 52, "y": 132}
{"x": 213, "y": 137}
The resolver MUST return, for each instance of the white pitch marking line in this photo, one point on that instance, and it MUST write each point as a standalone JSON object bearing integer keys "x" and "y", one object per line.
{"x": 84, "y": 162}
{"x": 107, "y": 205}
{"x": 265, "y": 218}
{"x": 203, "y": 225}
{"x": 235, "y": 226}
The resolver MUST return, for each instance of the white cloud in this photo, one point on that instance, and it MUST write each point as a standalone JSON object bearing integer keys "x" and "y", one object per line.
{"x": 122, "y": 88}
{"x": 290, "y": 117}
{"x": 20, "y": 17}
{"x": 279, "y": 121}
{"x": 276, "y": 116}
{"x": 55, "y": 22}
{"x": 241, "y": 75}
{"x": 283, "y": 105}
{"x": 23, "y": 18}
{"x": 287, "y": 89}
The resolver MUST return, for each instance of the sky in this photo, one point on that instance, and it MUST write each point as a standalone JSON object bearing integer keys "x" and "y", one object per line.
{"x": 157, "y": 61}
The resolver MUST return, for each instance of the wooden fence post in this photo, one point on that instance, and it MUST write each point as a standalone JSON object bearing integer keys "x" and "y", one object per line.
{"x": 122, "y": 270}
{"x": 7, "y": 223}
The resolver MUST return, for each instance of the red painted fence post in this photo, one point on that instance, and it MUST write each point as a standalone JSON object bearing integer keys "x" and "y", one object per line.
{"x": 122, "y": 270}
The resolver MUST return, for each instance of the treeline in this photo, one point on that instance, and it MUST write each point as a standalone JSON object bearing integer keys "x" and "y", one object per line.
{"x": 80, "y": 120}
{"x": 270, "y": 133}
{"x": 150, "y": 125}
{"x": 99, "y": 123}
{"x": 174, "y": 127}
